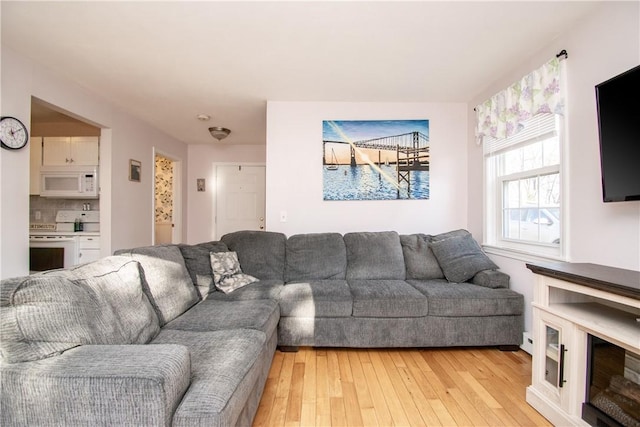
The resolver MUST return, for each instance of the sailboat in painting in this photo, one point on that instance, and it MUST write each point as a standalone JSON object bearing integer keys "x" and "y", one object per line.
{"x": 333, "y": 165}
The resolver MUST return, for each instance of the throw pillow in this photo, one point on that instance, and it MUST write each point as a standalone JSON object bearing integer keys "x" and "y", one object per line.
{"x": 461, "y": 257}
{"x": 227, "y": 275}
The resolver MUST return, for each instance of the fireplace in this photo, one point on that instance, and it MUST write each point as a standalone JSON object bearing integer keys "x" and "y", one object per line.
{"x": 613, "y": 385}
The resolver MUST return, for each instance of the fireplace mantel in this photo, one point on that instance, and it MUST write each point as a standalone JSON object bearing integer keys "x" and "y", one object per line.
{"x": 570, "y": 302}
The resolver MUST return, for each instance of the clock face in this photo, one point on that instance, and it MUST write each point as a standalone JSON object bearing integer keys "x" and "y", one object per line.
{"x": 13, "y": 134}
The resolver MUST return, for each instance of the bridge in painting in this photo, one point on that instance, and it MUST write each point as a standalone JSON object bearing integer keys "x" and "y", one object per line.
{"x": 412, "y": 152}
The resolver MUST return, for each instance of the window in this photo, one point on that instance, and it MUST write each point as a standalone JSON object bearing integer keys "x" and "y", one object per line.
{"x": 523, "y": 196}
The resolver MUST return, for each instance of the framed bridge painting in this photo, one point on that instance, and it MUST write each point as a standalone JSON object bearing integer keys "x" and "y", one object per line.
{"x": 375, "y": 159}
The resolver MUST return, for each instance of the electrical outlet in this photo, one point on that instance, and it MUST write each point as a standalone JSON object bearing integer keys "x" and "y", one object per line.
{"x": 283, "y": 216}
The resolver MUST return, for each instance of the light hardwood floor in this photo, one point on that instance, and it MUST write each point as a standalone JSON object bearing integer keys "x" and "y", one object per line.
{"x": 398, "y": 387}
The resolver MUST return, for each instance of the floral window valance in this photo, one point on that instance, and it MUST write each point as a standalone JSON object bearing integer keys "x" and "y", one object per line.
{"x": 538, "y": 92}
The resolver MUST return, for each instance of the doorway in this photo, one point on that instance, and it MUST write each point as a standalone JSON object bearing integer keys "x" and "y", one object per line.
{"x": 167, "y": 207}
{"x": 240, "y": 198}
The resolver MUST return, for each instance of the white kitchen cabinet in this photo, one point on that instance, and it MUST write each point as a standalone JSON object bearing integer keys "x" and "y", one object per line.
{"x": 70, "y": 151}
{"x": 35, "y": 161}
{"x": 88, "y": 249}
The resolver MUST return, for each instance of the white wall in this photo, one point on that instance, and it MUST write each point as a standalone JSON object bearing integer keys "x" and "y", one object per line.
{"x": 202, "y": 164}
{"x": 294, "y": 170}
{"x": 132, "y": 202}
{"x": 126, "y": 207}
{"x": 604, "y": 44}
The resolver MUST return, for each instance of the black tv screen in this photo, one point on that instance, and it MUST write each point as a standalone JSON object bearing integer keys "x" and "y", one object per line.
{"x": 618, "y": 101}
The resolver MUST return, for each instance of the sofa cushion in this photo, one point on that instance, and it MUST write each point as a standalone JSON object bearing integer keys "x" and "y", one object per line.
{"x": 262, "y": 289}
{"x": 316, "y": 298}
{"x": 315, "y": 257}
{"x": 97, "y": 385}
{"x": 468, "y": 300}
{"x": 96, "y": 303}
{"x": 213, "y": 315}
{"x": 165, "y": 279}
{"x": 261, "y": 253}
{"x": 386, "y": 298}
{"x": 461, "y": 257}
{"x": 419, "y": 260}
{"x": 198, "y": 263}
{"x": 225, "y": 369}
{"x": 375, "y": 255}
{"x": 227, "y": 275}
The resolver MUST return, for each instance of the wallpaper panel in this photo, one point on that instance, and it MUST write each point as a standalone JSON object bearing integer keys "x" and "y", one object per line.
{"x": 164, "y": 189}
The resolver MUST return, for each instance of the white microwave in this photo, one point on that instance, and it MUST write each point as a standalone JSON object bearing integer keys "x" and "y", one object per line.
{"x": 69, "y": 182}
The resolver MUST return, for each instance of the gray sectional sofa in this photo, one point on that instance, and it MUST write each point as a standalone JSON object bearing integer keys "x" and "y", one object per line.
{"x": 145, "y": 338}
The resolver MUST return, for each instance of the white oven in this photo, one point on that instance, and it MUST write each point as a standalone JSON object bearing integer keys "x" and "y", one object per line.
{"x": 50, "y": 251}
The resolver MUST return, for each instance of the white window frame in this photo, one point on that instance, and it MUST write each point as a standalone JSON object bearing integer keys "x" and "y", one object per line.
{"x": 493, "y": 204}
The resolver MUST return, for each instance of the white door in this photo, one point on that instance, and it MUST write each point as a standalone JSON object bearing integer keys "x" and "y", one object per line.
{"x": 240, "y": 198}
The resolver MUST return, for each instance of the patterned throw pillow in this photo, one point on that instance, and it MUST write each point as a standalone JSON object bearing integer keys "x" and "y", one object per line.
{"x": 227, "y": 275}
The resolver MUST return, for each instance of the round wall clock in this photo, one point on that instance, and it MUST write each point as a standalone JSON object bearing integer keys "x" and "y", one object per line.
{"x": 13, "y": 133}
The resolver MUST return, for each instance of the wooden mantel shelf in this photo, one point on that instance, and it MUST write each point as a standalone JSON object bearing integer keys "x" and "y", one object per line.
{"x": 610, "y": 279}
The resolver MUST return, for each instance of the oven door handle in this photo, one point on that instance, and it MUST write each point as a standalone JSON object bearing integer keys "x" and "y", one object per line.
{"x": 45, "y": 240}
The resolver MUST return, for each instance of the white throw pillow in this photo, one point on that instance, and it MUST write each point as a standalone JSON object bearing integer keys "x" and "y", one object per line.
{"x": 227, "y": 275}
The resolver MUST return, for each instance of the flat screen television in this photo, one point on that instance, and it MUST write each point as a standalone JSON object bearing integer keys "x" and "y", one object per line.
{"x": 618, "y": 101}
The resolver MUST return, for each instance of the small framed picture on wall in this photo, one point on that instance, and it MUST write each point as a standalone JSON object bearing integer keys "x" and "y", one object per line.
{"x": 134, "y": 170}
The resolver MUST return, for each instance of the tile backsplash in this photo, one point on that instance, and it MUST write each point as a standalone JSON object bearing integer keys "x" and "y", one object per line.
{"x": 48, "y": 207}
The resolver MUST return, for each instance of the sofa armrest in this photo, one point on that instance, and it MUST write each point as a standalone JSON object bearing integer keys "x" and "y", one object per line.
{"x": 491, "y": 279}
{"x": 97, "y": 385}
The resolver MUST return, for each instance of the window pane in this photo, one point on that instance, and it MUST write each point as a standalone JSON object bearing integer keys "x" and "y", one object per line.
{"x": 532, "y": 156}
{"x": 531, "y": 210}
{"x": 529, "y": 192}
{"x": 551, "y": 150}
{"x": 550, "y": 190}
{"x": 512, "y": 162}
{"x": 512, "y": 194}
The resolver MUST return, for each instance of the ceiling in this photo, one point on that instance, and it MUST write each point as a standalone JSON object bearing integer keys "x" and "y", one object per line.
{"x": 166, "y": 62}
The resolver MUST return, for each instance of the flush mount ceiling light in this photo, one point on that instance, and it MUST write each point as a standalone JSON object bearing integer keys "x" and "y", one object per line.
{"x": 219, "y": 133}
{"x": 203, "y": 117}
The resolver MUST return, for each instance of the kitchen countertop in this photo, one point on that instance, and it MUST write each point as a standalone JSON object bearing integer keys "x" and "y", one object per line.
{"x": 63, "y": 233}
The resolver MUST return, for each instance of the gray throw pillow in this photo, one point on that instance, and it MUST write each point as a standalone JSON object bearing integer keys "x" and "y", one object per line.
{"x": 227, "y": 275}
{"x": 461, "y": 257}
